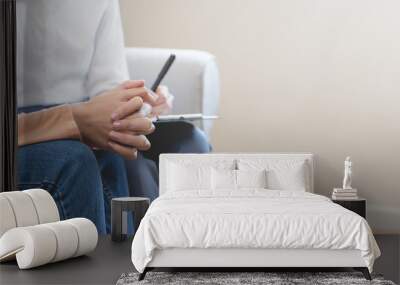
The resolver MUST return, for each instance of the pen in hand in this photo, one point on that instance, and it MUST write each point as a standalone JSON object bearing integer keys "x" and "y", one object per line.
{"x": 163, "y": 72}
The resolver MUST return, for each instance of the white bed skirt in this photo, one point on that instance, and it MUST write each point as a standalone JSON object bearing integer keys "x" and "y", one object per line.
{"x": 192, "y": 257}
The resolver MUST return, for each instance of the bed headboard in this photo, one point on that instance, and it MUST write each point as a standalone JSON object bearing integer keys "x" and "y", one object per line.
{"x": 165, "y": 159}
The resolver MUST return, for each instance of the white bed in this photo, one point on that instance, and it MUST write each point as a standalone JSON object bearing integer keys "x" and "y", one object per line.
{"x": 201, "y": 220}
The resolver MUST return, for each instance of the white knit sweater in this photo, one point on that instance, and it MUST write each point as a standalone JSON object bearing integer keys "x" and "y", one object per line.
{"x": 68, "y": 50}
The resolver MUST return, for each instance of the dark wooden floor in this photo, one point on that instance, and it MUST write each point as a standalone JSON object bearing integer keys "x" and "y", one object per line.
{"x": 389, "y": 262}
{"x": 110, "y": 260}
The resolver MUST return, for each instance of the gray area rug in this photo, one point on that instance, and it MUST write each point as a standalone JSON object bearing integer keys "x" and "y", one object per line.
{"x": 273, "y": 278}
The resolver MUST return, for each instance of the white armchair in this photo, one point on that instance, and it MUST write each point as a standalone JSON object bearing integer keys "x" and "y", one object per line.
{"x": 193, "y": 78}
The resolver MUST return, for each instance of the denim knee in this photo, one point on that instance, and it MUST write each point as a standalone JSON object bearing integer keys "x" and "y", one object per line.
{"x": 85, "y": 185}
{"x": 202, "y": 145}
{"x": 113, "y": 172}
{"x": 114, "y": 178}
{"x": 68, "y": 170}
{"x": 193, "y": 140}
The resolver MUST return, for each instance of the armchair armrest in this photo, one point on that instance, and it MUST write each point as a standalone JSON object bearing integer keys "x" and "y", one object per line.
{"x": 193, "y": 79}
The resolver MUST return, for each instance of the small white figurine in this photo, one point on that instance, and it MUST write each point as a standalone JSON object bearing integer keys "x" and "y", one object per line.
{"x": 347, "y": 173}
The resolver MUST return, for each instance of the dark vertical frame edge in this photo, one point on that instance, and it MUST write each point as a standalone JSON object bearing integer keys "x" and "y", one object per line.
{"x": 8, "y": 100}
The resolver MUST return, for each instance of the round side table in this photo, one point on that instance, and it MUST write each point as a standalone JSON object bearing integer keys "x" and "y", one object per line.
{"x": 120, "y": 208}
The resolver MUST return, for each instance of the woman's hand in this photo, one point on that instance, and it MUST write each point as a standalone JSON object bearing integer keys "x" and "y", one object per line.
{"x": 163, "y": 104}
{"x": 95, "y": 119}
{"x": 161, "y": 101}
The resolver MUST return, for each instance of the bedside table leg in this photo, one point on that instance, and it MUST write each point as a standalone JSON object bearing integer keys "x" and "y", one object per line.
{"x": 116, "y": 221}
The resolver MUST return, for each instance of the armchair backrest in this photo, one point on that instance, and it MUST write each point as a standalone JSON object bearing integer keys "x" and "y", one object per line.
{"x": 193, "y": 79}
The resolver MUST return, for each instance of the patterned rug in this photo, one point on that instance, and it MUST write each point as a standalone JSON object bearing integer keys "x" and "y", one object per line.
{"x": 243, "y": 278}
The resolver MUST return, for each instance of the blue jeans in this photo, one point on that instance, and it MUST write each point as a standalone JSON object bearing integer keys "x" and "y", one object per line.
{"x": 82, "y": 181}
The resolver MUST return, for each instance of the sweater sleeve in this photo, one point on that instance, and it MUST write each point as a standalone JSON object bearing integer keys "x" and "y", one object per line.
{"x": 46, "y": 125}
{"x": 108, "y": 67}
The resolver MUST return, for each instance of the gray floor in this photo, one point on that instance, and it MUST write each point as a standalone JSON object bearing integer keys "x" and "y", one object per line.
{"x": 389, "y": 262}
{"x": 103, "y": 266}
{"x": 110, "y": 260}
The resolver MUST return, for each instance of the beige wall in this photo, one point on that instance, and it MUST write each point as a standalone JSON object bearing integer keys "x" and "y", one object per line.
{"x": 319, "y": 76}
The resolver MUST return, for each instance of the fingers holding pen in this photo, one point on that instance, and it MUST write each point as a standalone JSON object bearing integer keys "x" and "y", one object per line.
{"x": 146, "y": 94}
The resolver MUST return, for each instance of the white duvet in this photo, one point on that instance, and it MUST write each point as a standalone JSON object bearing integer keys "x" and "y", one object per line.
{"x": 250, "y": 219}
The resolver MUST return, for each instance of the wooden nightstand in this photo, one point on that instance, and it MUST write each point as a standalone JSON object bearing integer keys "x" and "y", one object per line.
{"x": 358, "y": 206}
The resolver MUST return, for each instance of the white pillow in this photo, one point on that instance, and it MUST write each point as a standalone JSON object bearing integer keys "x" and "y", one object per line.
{"x": 251, "y": 178}
{"x": 226, "y": 179}
{"x": 182, "y": 177}
{"x": 223, "y": 179}
{"x": 287, "y": 179}
{"x": 186, "y": 174}
{"x": 281, "y": 174}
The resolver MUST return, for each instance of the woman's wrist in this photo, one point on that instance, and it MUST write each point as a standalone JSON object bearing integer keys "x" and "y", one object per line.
{"x": 49, "y": 124}
{"x": 79, "y": 113}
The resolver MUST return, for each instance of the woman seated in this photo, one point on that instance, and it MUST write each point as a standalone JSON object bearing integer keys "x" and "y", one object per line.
{"x": 81, "y": 122}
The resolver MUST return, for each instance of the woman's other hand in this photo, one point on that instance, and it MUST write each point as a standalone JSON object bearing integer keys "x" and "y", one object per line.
{"x": 95, "y": 120}
{"x": 163, "y": 104}
{"x": 161, "y": 101}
